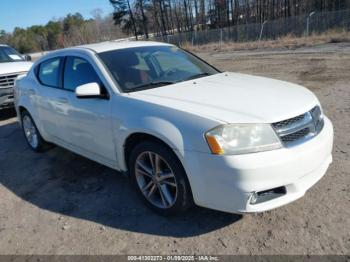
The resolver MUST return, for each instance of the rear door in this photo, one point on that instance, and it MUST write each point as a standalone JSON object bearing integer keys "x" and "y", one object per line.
{"x": 51, "y": 104}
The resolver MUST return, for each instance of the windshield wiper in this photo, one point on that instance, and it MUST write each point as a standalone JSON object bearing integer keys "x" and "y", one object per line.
{"x": 197, "y": 76}
{"x": 152, "y": 84}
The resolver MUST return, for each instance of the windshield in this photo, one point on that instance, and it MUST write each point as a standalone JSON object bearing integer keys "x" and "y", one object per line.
{"x": 8, "y": 54}
{"x": 147, "y": 67}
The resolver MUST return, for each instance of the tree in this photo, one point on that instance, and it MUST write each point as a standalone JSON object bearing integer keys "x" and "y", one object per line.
{"x": 202, "y": 13}
{"x": 123, "y": 15}
{"x": 161, "y": 11}
{"x": 141, "y": 5}
{"x": 72, "y": 20}
{"x": 54, "y": 35}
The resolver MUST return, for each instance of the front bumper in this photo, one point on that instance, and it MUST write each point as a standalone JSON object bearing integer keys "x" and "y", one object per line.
{"x": 227, "y": 183}
{"x": 6, "y": 96}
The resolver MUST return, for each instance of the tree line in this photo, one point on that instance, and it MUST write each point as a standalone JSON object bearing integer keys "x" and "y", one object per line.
{"x": 146, "y": 18}
{"x": 70, "y": 30}
{"x": 162, "y": 17}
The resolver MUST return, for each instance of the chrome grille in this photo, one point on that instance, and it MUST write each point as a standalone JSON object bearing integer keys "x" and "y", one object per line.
{"x": 8, "y": 81}
{"x": 300, "y": 128}
{"x": 288, "y": 121}
{"x": 295, "y": 136}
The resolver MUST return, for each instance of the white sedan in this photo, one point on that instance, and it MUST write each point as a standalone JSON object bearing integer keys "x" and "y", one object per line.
{"x": 183, "y": 131}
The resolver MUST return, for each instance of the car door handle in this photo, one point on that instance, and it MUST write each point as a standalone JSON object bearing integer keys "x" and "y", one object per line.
{"x": 62, "y": 100}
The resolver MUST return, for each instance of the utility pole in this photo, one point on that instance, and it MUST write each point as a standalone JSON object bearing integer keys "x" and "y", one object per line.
{"x": 261, "y": 32}
{"x": 308, "y": 22}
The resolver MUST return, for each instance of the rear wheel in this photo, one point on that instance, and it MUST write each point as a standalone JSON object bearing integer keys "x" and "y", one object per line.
{"x": 159, "y": 178}
{"x": 32, "y": 135}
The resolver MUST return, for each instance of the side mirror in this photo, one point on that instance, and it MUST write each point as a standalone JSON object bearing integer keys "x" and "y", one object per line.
{"x": 90, "y": 90}
{"x": 27, "y": 58}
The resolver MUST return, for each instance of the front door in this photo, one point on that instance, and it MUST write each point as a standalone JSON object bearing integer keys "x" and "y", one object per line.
{"x": 89, "y": 124}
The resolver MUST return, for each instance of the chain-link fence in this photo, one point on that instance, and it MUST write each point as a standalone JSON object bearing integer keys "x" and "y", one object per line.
{"x": 315, "y": 22}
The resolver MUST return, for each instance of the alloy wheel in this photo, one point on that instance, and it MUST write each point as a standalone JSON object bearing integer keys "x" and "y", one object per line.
{"x": 30, "y": 132}
{"x": 156, "y": 180}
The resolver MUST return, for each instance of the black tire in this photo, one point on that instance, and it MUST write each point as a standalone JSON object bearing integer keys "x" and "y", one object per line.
{"x": 183, "y": 199}
{"x": 41, "y": 144}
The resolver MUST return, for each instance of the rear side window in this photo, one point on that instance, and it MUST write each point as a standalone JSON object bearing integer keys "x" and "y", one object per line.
{"x": 78, "y": 72}
{"x": 49, "y": 72}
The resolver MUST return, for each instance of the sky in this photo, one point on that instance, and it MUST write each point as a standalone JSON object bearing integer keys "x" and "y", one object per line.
{"x": 25, "y": 13}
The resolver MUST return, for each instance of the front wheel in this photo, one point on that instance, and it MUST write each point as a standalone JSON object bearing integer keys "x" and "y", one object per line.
{"x": 159, "y": 178}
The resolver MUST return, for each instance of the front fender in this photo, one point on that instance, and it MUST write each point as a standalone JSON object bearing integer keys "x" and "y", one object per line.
{"x": 154, "y": 126}
{"x": 182, "y": 131}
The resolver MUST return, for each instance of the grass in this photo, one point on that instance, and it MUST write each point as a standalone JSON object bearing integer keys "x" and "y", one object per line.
{"x": 286, "y": 42}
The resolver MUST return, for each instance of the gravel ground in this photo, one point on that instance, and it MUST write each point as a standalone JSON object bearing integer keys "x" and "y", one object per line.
{"x": 61, "y": 203}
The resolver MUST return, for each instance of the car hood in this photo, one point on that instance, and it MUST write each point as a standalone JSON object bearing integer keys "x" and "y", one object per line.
{"x": 234, "y": 98}
{"x": 14, "y": 67}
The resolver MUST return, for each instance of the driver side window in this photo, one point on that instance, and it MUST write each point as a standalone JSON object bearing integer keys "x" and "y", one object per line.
{"x": 167, "y": 61}
{"x": 78, "y": 72}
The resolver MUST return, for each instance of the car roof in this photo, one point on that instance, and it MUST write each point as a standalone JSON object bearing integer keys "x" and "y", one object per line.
{"x": 114, "y": 45}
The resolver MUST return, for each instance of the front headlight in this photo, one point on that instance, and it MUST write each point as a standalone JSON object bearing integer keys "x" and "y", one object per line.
{"x": 235, "y": 139}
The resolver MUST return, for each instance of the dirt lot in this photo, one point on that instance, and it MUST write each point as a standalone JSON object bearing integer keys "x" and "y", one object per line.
{"x": 61, "y": 203}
